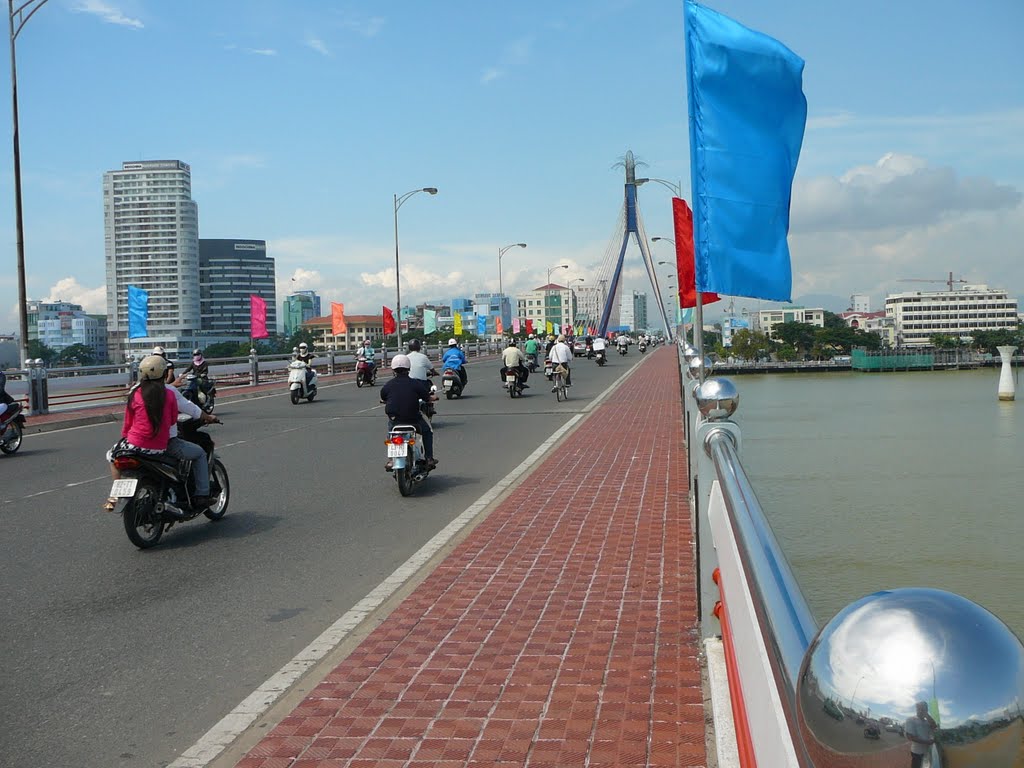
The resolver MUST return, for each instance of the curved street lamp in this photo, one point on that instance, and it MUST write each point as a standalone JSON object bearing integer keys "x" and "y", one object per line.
{"x": 501, "y": 293}
{"x": 398, "y": 280}
{"x": 676, "y": 189}
{"x": 23, "y": 13}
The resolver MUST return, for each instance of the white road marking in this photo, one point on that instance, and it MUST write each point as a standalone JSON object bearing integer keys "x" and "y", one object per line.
{"x": 235, "y": 723}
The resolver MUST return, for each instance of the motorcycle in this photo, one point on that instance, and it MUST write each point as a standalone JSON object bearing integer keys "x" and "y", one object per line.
{"x": 200, "y": 390}
{"x": 366, "y": 372}
{"x": 159, "y": 489}
{"x": 642, "y": 347}
{"x": 599, "y": 357}
{"x": 531, "y": 362}
{"x": 297, "y": 382}
{"x": 408, "y": 457}
{"x": 12, "y": 428}
{"x": 549, "y": 370}
{"x": 451, "y": 383}
{"x": 513, "y": 383}
{"x": 623, "y": 349}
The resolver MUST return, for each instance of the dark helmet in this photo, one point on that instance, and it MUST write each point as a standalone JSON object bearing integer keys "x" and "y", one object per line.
{"x": 414, "y": 345}
{"x": 512, "y": 341}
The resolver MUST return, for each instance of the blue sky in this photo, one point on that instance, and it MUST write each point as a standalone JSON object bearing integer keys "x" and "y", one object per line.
{"x": 302, "y": 118}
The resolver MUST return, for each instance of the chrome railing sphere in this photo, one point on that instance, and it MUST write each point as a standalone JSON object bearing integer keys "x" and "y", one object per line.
{"x": 717, "y": 399}
{"x": 913, "y": 662}
{"x": 696, "y": 365}
{"x": 689, "y": 353}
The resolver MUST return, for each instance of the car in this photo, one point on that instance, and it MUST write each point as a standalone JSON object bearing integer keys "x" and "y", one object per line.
{"x": 871, "y": 732}
{"x": 832, "y": 709}
{"x": 579, "y": 348}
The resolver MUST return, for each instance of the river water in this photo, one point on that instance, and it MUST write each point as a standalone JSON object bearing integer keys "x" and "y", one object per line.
{"x": 880, "y": 480}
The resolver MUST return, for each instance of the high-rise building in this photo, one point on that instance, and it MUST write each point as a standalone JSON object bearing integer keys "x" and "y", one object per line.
{"x": 860, "y": 302}
{"x": 230, "y": 271}
{"x": 299, "y": 307}
{"x": 551, "y": 303}
{"x": 633, "y": 311}
{"x": 151, "y": 241}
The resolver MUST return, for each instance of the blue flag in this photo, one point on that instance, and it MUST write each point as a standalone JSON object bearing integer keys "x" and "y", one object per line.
{"x": 481, "y": 325}
{"x": 138, "y": 312}
{"x": 747, "y": 117}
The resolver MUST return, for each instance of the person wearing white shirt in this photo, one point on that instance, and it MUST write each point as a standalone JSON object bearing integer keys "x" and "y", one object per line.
{"x": 184, "y": 449}
{"x": 421, "y": 365}
{"x": 920, "y": 732}
{"x": 561, "y": 354}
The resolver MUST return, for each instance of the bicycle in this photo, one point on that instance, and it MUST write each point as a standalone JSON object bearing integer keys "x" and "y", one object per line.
{"x": 561, "y": 392}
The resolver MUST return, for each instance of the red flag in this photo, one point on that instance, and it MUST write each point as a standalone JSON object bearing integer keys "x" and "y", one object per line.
{"x": 338, "y": 324}
{"x": 682, "y": 217}
{"x": 257, "y": 317}
{"x": 529, "y": 326}
{"x": 389, "y": 321}
{"x": 499, "y": 327}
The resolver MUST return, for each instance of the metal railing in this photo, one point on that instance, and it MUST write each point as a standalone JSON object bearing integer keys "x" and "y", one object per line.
{"x": 40, "y": 389}
{"x": 784, "y": 667}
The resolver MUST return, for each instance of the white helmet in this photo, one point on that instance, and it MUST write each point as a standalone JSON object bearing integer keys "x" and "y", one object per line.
{"x": 303, "y": 347}
{"x": 158, "y": 350}
{"x": 153, "y": 368}
{"x": 452, "y": 343}
{"x": 400, "y": 361}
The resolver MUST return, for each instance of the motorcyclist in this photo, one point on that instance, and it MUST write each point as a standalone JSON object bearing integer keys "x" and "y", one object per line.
{"x": 599, "y": 345}
{"x": 367, "y": 351}
{"x": 550, "y": 343}
{"x": 401, "y": 397}
{"x": 513, "y": 357}
{"x": 306, "y": 355}
{"x": 622, "y": 342}
{"x": 200, "y": 368}
{"x": 455, "y": 359}
{"x": 532, "y": 351}
{"x": 6, "y": 412}
{"x": 421, "y": 367}
{"x": 561, "y": 354}
{"x": 182, "y": 449}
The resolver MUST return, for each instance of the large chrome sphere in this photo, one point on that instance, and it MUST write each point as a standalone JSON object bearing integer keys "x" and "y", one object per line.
{"x": 689, "y": 353}
{"x": 717, "y": 399}
{"x": 917, "y": 660}
{"x": 695, "y": 365}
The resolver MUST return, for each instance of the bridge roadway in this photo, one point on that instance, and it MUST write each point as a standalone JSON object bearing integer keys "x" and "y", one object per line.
{"x": 116, "y": 657}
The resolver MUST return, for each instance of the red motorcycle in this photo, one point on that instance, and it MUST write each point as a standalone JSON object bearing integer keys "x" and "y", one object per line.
{"x": 366, "y": 372}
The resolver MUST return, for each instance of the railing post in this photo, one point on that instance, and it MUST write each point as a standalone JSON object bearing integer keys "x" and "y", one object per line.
{"x": 330, "y": 361}
{"x": 254, "y": 367}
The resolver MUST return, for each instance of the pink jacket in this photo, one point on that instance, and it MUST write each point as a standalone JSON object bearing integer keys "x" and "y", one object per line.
{"x": 137, "y": 429}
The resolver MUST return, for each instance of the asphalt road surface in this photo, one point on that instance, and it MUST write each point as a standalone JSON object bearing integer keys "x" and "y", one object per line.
{"x": 114, "y": 656}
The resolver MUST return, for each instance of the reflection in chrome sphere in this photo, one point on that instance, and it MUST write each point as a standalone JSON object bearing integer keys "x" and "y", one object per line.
{"x": 717, "y": 399}
{"x": 693, "y": 368}
{"x": 868, "y": 669}
{"x": 689, "y": 353}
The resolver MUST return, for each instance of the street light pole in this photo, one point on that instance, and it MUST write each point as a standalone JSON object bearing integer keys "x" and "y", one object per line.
{"x": 501, "y": 293}
{"x": 573, "y": 293}
{"x": 547, "y": 292}
{"x": 398, "y": 279}
{"x": 23, "y": 17}
{"x": 676, "y": 188}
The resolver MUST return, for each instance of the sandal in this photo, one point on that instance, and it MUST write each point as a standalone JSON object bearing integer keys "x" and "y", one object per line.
{"x": 110, "y": 504}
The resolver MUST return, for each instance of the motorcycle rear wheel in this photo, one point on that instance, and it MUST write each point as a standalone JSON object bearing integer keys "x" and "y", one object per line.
{"x": 12, "y": 443}
{"x": 404, "y": 478}
{"x": 219, "y": 481}
{"x": 310, "y": 396}
{"x": 141, "y": 521}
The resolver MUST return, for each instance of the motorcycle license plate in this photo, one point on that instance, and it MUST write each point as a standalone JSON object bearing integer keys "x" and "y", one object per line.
{"x": 395, "y": 451}
{"x": 510, "y": 379}
{"x": 124, "y": 488}
{"x": 447, "y": 383}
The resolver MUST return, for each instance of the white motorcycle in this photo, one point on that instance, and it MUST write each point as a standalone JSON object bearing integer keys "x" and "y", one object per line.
{"x": 408, "y": 457}
{"x": 297, "y": 386}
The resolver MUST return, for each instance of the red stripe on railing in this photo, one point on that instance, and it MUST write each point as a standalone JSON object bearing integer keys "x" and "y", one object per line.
{"x": 744, "y": 742}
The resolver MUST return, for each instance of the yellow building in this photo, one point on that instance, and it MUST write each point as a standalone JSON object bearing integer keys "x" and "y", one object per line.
{"x": 359, "y": 327}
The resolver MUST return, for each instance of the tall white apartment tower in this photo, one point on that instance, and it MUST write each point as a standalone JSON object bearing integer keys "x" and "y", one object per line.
{"x": 151, "y": 240}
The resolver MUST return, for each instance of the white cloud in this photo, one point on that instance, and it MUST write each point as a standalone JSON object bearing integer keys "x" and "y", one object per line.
{"x": 490, "y": 74}
{"x": 317, "y": 45}
{"x": 68, "y": 289}
{"x": 367, "y": 26}
{"x": 107, "y": 13}
{"x": 414, "y": 278}
{"x": 261, "y": 51}
{"x": 903, "y": 218}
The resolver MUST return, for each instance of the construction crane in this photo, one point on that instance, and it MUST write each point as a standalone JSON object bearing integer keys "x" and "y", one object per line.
{"x": 948, "y": 281}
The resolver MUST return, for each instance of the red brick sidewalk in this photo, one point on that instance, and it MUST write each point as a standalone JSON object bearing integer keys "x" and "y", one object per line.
{"x": 561, "y": 632}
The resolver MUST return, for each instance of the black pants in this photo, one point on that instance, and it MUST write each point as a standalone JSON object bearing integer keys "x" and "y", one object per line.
{"x": 524, "y": 373}
{"x": 916, "y": 761}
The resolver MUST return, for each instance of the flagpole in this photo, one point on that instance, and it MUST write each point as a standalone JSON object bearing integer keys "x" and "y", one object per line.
{"x": 698, "y": 334}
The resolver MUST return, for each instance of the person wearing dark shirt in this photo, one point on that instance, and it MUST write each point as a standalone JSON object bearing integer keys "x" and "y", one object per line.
{"x": 306, "y": 356}
{"x": 401, "y": 397}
